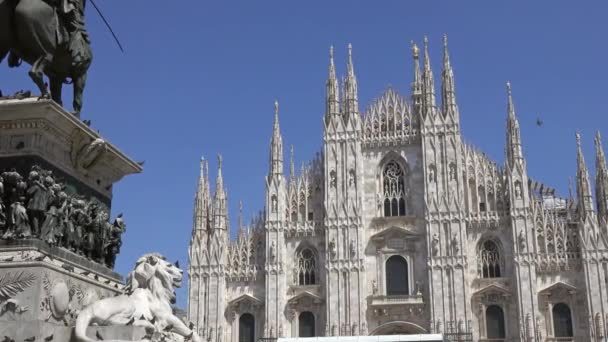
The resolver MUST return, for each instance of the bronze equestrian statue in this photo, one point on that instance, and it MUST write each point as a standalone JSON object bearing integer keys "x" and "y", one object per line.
{"x": 51, "y": 36}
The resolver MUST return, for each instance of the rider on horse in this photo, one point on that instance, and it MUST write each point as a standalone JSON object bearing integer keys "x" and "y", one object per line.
{"x": 77, "y": 37}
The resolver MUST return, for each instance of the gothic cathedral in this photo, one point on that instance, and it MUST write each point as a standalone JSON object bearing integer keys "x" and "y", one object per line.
{"x": 399, "y": 227}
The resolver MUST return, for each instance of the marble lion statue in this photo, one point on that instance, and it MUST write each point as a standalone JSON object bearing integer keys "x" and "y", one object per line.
{"x": 149, "y": 293}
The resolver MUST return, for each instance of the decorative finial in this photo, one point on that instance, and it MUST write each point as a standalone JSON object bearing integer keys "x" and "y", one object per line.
{"x": 578, "y": 139}
{"x": 509, "y": 88}
{"x": 219, "y": 161}
{"x": 350, "y": 50}
{"x": 276, "y": 107}
{"x": 331, "y": 51}
{"x": 415, "y": 50}
{"x": 426, "y": 40}
{"x": 202, "y": 164}
{"x": 445, "y": 40}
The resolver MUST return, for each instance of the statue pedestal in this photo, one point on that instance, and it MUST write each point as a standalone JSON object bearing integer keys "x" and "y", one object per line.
{"x": 40, "y": 132}
{"x": 43, "y": 286}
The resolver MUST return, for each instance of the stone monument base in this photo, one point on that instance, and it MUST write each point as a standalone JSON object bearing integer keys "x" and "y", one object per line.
{"x": 43, "y": 331}
{"x": 45, "y": 288}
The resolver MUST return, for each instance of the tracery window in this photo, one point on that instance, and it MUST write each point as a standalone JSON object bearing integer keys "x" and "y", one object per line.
{"x": 306, "y": 267}
{"x": 396, "y": 276}
{"x": 495, "y": 322}
{"x": 562, "y": 320}
{"x": 393, "y": 189}
{"x": 488, "y": 260}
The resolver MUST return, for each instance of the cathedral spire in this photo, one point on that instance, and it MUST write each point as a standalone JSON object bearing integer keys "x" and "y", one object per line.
{"x": 417, "y": 82}
{"x": 241, "y": 231}
{"x": 332, "y": 93}
{"x": 601, "y": 180}
{"x": 201, "y": 201}
{"x": 220, "y": 211}
{"x": 276, "y": 145}
{"x": 448, "y": 91}
{"x": 292, "y": 172}
{"x": 428, "y": 83}
{"x": 514, "y": 150}
{"x": 351, "y": 97}
{"x": 583, "y": 187}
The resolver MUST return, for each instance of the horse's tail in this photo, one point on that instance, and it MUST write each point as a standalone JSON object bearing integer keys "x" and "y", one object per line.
{"x": 85, "y": 317}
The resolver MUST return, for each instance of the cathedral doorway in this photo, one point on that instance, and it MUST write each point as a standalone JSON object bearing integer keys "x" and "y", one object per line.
{"x": 246, "y": 328}
{"x": 306, "y": 323}
{"x": 398, "y": 328}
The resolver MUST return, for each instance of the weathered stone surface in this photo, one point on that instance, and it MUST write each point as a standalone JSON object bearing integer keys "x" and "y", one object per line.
{"x": 37, "y": 130}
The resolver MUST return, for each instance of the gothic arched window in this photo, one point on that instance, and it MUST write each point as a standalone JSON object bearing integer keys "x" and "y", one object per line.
{"x": 246, "y": 328}
{"x": 488, "y": 260}
{"x": 495, "y": 322}
{"x": 306, "y": 267}
{"x": 562, "y": 320}
{"x": 396, "y": 276}
{"x": 393, "y": 188}
{"x": 306, "y": 324}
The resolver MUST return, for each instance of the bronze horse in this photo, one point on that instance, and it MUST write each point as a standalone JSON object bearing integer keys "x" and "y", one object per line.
{"x": 33, "y": 31}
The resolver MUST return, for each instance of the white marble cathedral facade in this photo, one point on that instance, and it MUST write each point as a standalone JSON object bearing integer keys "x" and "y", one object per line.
{"x": 398, "y": 226}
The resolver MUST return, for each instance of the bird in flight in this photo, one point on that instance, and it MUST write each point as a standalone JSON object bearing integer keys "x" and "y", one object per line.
{"x": 539, "y": 122}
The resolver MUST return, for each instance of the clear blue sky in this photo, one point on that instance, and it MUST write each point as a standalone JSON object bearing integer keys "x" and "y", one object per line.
{"x": 200, "y": 77}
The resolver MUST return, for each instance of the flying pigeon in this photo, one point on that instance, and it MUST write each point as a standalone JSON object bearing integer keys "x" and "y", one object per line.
{"x": 98, "y": 335}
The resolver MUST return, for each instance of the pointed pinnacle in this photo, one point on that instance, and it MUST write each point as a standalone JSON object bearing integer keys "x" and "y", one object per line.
{"x": 219, "y": 162}
{"x": 291, "y": 165}
{"x": 446, "y": 55}
{"x": 332, "y": 67}
{"x": 276, "y": 117}
{"x": 427, "y": 62}
{"x": 276, "y": 108}
{"x": 510, "y": 106}
{"x": 240, "y": 214}
{"x": 351, "y": 71}
{"x": 580, "y": 157}
{"x": 600, "y": 157}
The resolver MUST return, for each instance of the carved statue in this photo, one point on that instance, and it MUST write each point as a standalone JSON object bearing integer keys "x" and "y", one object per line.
{"x": 521, "y": 239}
{"x": 452, "y": 172}
{"x": 374, "y": 286}
{"x": 273, "y": 252}
{"x": 455, "y": 247}
{"x": 40, "y": 208}
{"x": 435, "y": 244}
{"x": 332, "y": 248}
{"x": 51, "y": 36}
{"x": 150, "y": 291}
